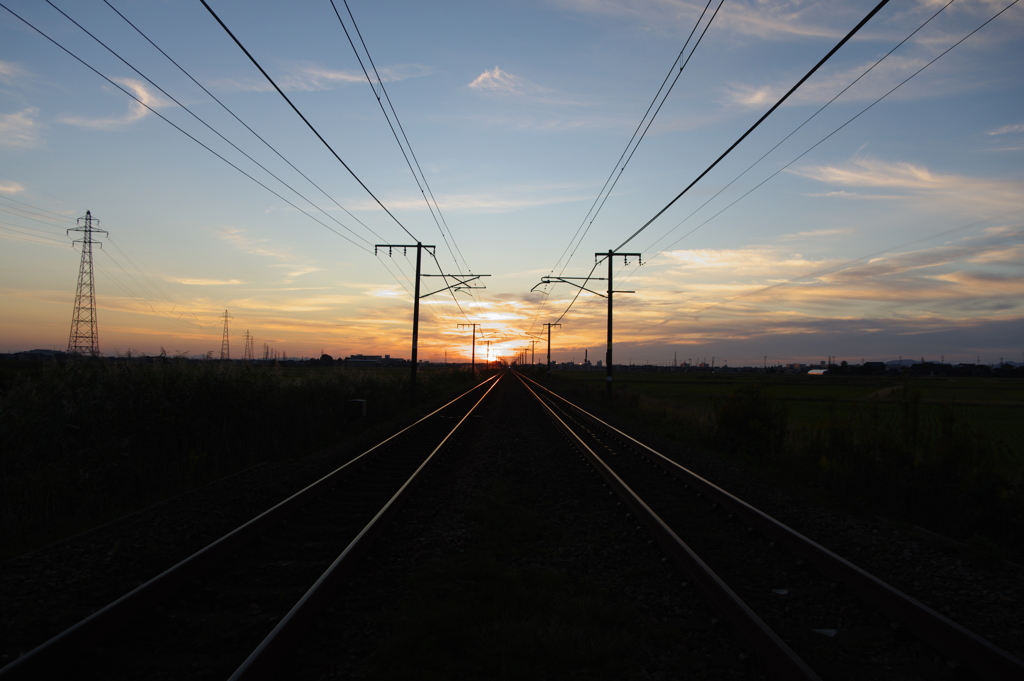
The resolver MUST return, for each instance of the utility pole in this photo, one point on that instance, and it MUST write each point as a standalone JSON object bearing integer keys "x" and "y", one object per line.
{"x": 461, "y": 283}
{"x": 533, "y": 350}
{"x": 225, "y": 349}
{"x": 611, "y": 290}
{"x": 84, "y": 336}
{"x": 548, "y": 327}
{"x": 474, "y": 325}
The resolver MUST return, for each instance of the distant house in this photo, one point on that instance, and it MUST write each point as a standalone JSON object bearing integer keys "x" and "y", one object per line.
{"x": 873, "y": 368}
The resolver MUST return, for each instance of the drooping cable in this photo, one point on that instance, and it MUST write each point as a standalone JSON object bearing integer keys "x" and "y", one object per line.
{"x": 797, "y": 129}
{"x": 832, "y": 269}
{"x": 627, "y": 153}
{"x": 826, "y": 137}
{"x": 175, "y": 126}
{"x": 407, "y": 151}
{"x": 751, "y": 129}
{"x": 305, "y": 120}
{"x": 634, "y": 141}
{"x": 243, "y": 123}
{"x": 208, "y": 126}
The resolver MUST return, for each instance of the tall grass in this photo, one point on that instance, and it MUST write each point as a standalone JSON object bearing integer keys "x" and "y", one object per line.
{"x": 85, "y": 441}
{"x": 931, "y": 464}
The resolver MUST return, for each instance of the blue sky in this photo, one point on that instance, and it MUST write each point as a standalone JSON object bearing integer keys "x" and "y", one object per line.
{"x": 901, "y": 234}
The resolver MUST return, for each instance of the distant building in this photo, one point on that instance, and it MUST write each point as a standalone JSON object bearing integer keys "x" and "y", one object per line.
{"x": 374, "y": 361}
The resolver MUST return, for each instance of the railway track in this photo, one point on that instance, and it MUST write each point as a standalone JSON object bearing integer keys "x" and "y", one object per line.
{"x": 805, "y": 611}
{"x": 234, "y": 606}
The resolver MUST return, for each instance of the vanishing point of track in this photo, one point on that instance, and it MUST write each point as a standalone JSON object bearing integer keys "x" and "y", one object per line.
{"x": 779, "y": 591}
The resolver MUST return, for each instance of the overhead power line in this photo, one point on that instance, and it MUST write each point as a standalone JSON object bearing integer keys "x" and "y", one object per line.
{"x": 174, "y": 125}
{"x": 634, "y": 141}
{"x": 779, "y": 103}
{"x": 304, "y": 119}
{"x": 246, "y": 125}
{"x": 418, "y": 174}
{"x": 627, "y": 153}
{"x": 198, "y": 118}
{"x": 836, "y": 130}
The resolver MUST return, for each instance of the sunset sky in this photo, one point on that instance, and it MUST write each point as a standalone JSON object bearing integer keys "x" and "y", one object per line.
{"x": 900, "y": 234}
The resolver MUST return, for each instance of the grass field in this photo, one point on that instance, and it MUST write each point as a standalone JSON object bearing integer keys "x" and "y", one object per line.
{"x": 86, "y": 441}
{"x": 945, "y": 453}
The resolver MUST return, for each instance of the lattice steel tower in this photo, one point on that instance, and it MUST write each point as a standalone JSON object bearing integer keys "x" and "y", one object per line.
{"x": 249, "y": 341}
{"x": 225, "y": 349}
{"x": 84, "y": 339}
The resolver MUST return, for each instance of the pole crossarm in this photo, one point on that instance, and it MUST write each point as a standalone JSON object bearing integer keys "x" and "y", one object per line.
{"x": 598, "y": 257}
{"x": 414, "y": 361}
{"x": 569, "y": 280}
{"x": 462, "y": 282}
{"x": 404, "y": 247}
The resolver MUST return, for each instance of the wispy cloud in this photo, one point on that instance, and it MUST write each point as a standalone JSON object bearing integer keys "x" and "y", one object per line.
{"x": 824, "y": 86}
{"x": 11, "y": 72}
{"x": 205, "y": 282}
{"x": 20, "y": 130}
{"x": 11, "y": 187}
{"x": 137, "y": 110}
{"x": 238, "y": 237}
{"x": 502, "y": 82}
{"x": 507, "y": 198}
{"x": 916, "y": 181}
{"x": 1006, "y": 129}
{"x": 767, "y": 19}
{"x": 313, "y": 77}
{"x": 815, "y": 233}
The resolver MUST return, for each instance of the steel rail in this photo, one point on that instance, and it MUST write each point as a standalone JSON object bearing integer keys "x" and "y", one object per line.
{"x": 56, "y": 651}
{"x": 949, "y": 638}
{"x": 778, "y": 658}
{"x": 263, "y": 660}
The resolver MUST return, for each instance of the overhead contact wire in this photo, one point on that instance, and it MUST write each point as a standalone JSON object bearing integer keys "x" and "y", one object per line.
{"x": 174, "y": 125}
{"x": 244, "y": 124}
{"x": 650, "y": 122}
{"x": 797, "y": 129}
{"x": 208, "y": 126}
{"x": 751, "y": 129}
{"x": 305, "y": 120}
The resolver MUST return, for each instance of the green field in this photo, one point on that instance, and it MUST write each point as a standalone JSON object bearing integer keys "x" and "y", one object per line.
{"x": 945, "y": 453}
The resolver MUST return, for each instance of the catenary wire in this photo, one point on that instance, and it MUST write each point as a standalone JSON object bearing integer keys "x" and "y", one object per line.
{"x": 848, "y": 121}
{"x": 244, "y": 124}
{"x": 305, "y": 120}
{"x": 599, "y": 202}
{"x": 850, "y": 263}
{"x": 742, "y": 137}
{"x": 799, "y": 127}
{"x": 208, "y": 126}
{"x": 591, "y": 212}
{"x": 175, "y": 126}
{"x": 420, "y": 178}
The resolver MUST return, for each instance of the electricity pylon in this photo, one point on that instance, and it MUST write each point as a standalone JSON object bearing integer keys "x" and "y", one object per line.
{"x": 225, "y": 348}
{"x": 84, "y": 338}
{"x": 248, "y": 354}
